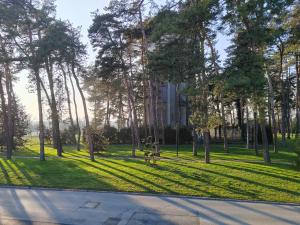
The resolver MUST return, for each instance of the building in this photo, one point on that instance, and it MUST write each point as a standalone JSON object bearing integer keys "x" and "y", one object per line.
{"x": 168, "y": 98}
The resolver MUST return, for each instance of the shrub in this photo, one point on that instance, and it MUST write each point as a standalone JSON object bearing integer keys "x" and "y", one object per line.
{"x": 124, "y": 136}
{"x": 48, "y": 136}
{"x": 67, "y": 136}
{"x": 83, "y": 135}
{"x": 99, "y": 141}
{"x": 111, "y": 134}
{"x": 185, "y": 136}
{"x": 170, "y": 136}
{"x": 269, "y": 135}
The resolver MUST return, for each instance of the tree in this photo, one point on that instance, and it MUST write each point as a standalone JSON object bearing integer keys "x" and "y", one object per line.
{"x": 251, "y": 22}
{"x": 109, "y": 36}
{"x": 182, "y": 55}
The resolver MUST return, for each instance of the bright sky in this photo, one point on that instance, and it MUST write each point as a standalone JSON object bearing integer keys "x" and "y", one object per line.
{"x": 78, "y": 12}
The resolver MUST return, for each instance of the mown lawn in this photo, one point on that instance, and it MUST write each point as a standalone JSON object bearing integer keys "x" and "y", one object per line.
{"x": 237, "y": 175}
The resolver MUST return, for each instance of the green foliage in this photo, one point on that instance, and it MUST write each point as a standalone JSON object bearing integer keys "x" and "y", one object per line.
{"x": 185, "y": 136}
{"x": 48, "y": 136}
{"x": 198, "y": 121}
{"x": 67, "y": 136}
{"x": 21, "y": 123}
{"x": 214, "y": 121}
{"x": 124, "y": 135}
{"x": 253, "y": 34}
{"x": 111, "y": 134}
{"x": 100, "y": 142}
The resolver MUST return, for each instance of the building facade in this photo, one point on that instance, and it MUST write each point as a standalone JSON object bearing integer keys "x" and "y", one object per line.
{"x": 169, "y": 104}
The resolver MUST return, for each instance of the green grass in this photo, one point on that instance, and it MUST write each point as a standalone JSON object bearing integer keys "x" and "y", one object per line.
{"x": 238, "y": 175}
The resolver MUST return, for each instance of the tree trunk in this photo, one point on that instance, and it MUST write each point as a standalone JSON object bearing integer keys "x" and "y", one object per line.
{"x": 151, "y": 83}
{"x": 133, "y": 135}
{"x": 283, "y": 96}
{"x": 177, "y": 117}
{"x": 120, "y": 112}
{"x": 145, "y": 118}
{"x": 35, "y": 69}
{"x": 255, "y": 134}
{"x": 131, "y": 100}
{"x": 283, "y": 115}
{"x": 55, "y": 117}
{"x": 272, "y": 111}
{"x": 69, "y": 105}
{"x": 240, "y": 117}
{"x": 161, "y": 108}
{"x": 76, "y": 112}
{"x": 297, "y": 97}
{"x": 233, "y": 124}
{"x": 162, "y": 124}
{"x": 206, "y": 145}
{"x": 247, "y": 128}
{"x": 107, "y": 117}
{"x": 288, "y": 108}
{"x": 224, "y": 125}
{"x": 41, "y": 121}
{"x": 86, "y": 115}
{"x": 9, "y": 146}
{"x": 157, "y": 105}
{"x": 195, "y": 152}
{"x": 134, "y": 113}
{"x": 266, "y": 153}
{"x": 9, "y": 91}
{"x": 153, "y": 115}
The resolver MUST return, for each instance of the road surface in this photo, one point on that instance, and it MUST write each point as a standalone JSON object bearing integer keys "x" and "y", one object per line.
{"x": 51, "y": 207}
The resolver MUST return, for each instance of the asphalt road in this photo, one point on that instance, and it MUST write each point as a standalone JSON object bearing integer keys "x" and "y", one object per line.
{"x": 49, "y": 207}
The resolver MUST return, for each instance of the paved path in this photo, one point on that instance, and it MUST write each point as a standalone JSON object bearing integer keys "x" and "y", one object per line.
{"x": 50, "y": 207}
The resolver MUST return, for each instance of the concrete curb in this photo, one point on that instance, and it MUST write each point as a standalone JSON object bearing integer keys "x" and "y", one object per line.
{"x": 150, "y": 195}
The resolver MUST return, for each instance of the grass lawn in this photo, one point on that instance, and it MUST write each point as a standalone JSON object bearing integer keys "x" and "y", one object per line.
{"x": 238, "y": 175}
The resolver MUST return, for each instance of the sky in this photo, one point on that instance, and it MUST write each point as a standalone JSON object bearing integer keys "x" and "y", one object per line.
{"x": 78, "y": 12}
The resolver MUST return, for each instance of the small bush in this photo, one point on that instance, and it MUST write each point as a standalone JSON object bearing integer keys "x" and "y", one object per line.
{"x": 170, "y": 136}
{"x": 185, "y": 136}
{"x": 269, "y": 135}
{"x": 100, "y": 142}
{"x": 124, "y": 136}
{"x": 48, "y": 136}
{"x": 111, "y": 134}
{"x": 67, "y": 136}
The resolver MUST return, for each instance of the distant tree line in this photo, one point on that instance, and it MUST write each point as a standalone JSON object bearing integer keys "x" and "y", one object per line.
{"x": 141, "y": 46}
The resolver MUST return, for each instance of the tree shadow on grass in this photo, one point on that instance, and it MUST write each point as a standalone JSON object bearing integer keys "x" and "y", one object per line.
{"x": 17, "y": 174}
{"x": 62, "y": 176}
{"x": 251, "y": 170}
{"x": 234, "y": 190}
{"x": 241, "y": 179}
{"x": 5, "y": 173}
{"x": 174, "y": 182}
{"x": 116, "y": 175}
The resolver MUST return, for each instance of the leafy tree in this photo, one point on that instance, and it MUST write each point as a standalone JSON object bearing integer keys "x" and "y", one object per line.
{"x": 114, "y": 57}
